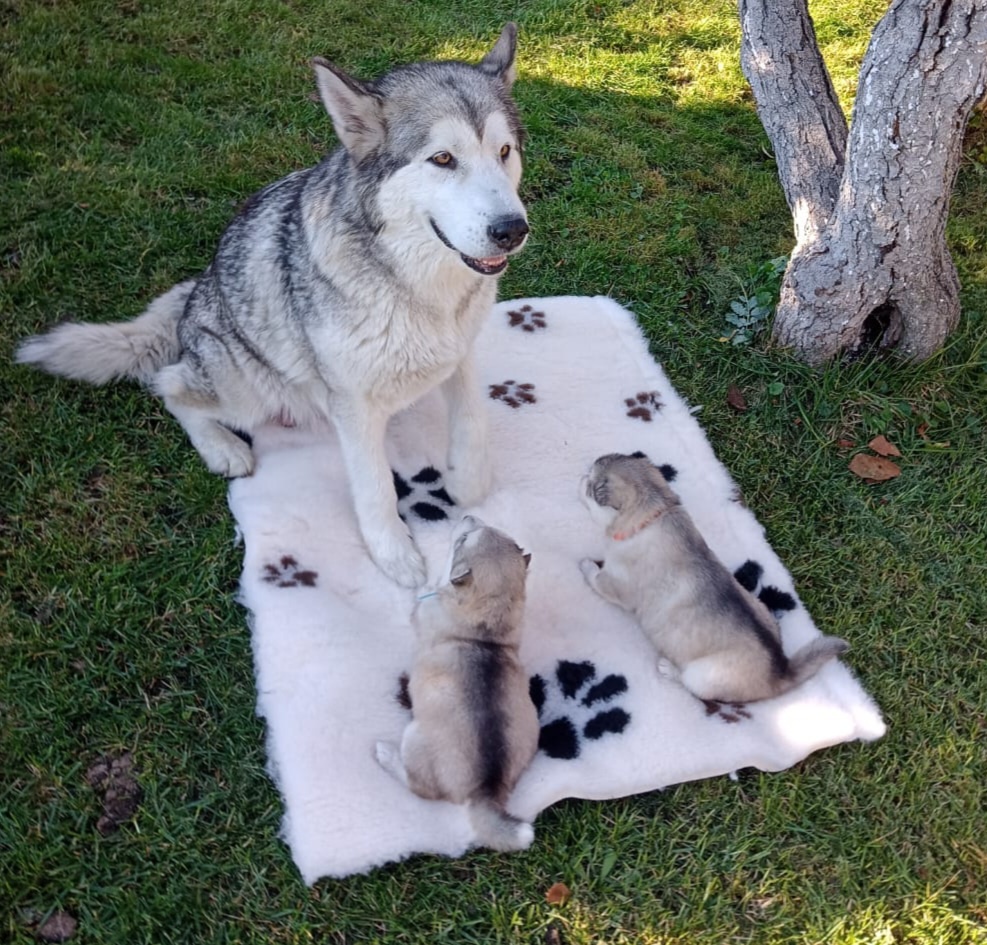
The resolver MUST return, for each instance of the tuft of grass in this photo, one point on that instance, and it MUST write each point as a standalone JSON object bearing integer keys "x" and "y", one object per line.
{"x": 131, "y": 131}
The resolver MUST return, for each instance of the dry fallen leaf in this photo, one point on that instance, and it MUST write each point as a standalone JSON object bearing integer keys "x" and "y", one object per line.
{"x": 735, "y": 398}
{"x": 557, "y": 894}
{"x": 883, "y": 447}
{"x": 873, "y": 468}
{"x": 59, "y": 927}
{"x": 845, "y": 444}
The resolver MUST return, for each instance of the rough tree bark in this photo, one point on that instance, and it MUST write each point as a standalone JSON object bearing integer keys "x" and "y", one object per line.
{"x": 870, "y": 265}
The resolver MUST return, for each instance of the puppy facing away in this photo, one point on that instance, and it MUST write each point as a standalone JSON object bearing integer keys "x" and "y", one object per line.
{"x": 474, "y": 728}
{"x": 713, "y": 635}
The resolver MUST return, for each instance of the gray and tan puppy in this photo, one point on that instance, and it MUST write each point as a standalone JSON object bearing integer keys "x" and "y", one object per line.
{"x": 475, "y": 728}
{"x": 715, "y": 637}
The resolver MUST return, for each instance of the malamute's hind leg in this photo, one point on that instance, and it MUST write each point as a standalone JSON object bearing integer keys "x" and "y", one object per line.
{"x": 198, "y": 410}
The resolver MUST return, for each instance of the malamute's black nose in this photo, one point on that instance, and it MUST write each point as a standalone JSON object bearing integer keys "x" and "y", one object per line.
{"x": 508, "y": 232}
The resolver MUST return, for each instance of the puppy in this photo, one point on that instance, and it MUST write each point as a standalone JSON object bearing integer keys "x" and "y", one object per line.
{"x": 474, "y": 728}
{"x": 716, "y": 638}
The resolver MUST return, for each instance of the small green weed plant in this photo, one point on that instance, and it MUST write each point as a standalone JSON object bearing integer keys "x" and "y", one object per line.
{"x": 750, "y": 312}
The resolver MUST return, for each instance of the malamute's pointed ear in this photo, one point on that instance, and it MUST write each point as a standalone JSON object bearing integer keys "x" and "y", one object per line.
{"x": 353, "y": 108}
{"x": 499, "y": 62}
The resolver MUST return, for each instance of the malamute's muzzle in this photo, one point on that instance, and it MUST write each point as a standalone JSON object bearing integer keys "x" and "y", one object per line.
{"x": 509, "y": 233}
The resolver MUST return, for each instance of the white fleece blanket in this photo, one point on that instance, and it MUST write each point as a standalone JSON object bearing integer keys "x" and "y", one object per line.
{"x": 568, "y": 379}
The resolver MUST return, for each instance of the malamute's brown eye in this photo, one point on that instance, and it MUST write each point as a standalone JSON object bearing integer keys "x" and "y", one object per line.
{"x": 505, "y": 152}
{"x": 443, "y": 159}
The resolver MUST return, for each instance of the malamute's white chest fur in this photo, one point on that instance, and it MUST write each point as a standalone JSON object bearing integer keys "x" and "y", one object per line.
{"x": 394, "y": 341}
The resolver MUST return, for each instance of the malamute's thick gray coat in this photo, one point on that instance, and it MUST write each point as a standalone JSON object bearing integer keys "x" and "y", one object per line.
{"x": 344, "y": 291}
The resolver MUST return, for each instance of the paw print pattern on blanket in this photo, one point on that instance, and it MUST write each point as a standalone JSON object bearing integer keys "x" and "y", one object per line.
{"x": 643, "y": 405}
{"x": 779, "y": 602}
{"x": 573, "y": 705}
{"x": 287, "y": 572}
{"x": 526, "y": 318}
{"x": 513, "y": 394}
{"x": 423, "y": 496}
{"x": 729, "y": 712}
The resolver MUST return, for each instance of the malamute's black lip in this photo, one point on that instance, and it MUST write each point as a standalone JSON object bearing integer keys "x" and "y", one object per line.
{"x": 492, "y": 266}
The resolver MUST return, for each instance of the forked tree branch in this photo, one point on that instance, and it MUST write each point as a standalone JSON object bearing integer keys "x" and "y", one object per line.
{"x": 797, "y": 105}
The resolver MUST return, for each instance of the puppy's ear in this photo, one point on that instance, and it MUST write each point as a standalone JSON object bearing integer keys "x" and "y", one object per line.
{"x": 352, "y": 106}
{"x": 527, "y": 561}
{"x": 499, "y": 62}
{"x": 462, "y": 577}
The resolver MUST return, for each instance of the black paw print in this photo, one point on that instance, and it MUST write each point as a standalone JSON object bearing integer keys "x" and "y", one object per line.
{"x": 403, "y": 694}
{"x": 730, "y": 712}
{"x": 513, "y": 394}
{"x": 423, "y": 496}
{"x": 575, "y": 694}
{"x": 643, "y": 405}
{"x": 779, "y": 602}
{"x": 526, "y": 318}
{"x": 288, "y": 573}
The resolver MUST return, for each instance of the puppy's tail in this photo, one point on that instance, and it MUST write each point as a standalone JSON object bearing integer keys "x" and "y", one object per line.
{"x": 100, "y": 353}
{"x": 811, "y": 658}
{"x": 497, "y": 829}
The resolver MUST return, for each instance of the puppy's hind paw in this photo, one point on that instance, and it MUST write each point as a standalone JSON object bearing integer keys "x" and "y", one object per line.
{"x": 227, "y": 455}
{"x": 385, "y": 753}
{"x": 667, "y": 669}
{"x": 389, "y": 758}
{"x": 589, "y": 568}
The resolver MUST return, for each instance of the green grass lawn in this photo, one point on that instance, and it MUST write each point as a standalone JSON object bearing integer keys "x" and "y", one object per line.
{"x": 129, "y": 132}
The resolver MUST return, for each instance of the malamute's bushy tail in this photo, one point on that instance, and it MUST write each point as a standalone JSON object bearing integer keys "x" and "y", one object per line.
{"x": 497, "y": 829}
{"x": 811, "y": 658}
{"x": 100, "y": 353}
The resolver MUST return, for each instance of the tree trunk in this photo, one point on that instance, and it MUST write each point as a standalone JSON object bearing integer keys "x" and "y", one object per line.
{"x": 872, "y": 267}
{"x": 798, "y": 107}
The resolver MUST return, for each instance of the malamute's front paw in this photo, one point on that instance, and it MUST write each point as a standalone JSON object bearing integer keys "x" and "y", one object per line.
{"x": 399, "y": 559}
{"x": 469, "y": 482}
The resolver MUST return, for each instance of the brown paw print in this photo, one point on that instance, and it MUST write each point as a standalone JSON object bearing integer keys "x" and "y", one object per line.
{"x": 730, "y": 712}
{"x": 526, "y": 318}
{"x": 513, "y": 394}
{"x": 288, "y": 573}
{"x": 643, "y": 405}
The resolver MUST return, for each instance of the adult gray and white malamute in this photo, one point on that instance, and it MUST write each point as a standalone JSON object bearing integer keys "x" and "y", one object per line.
{"x": 344, "y": 291}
